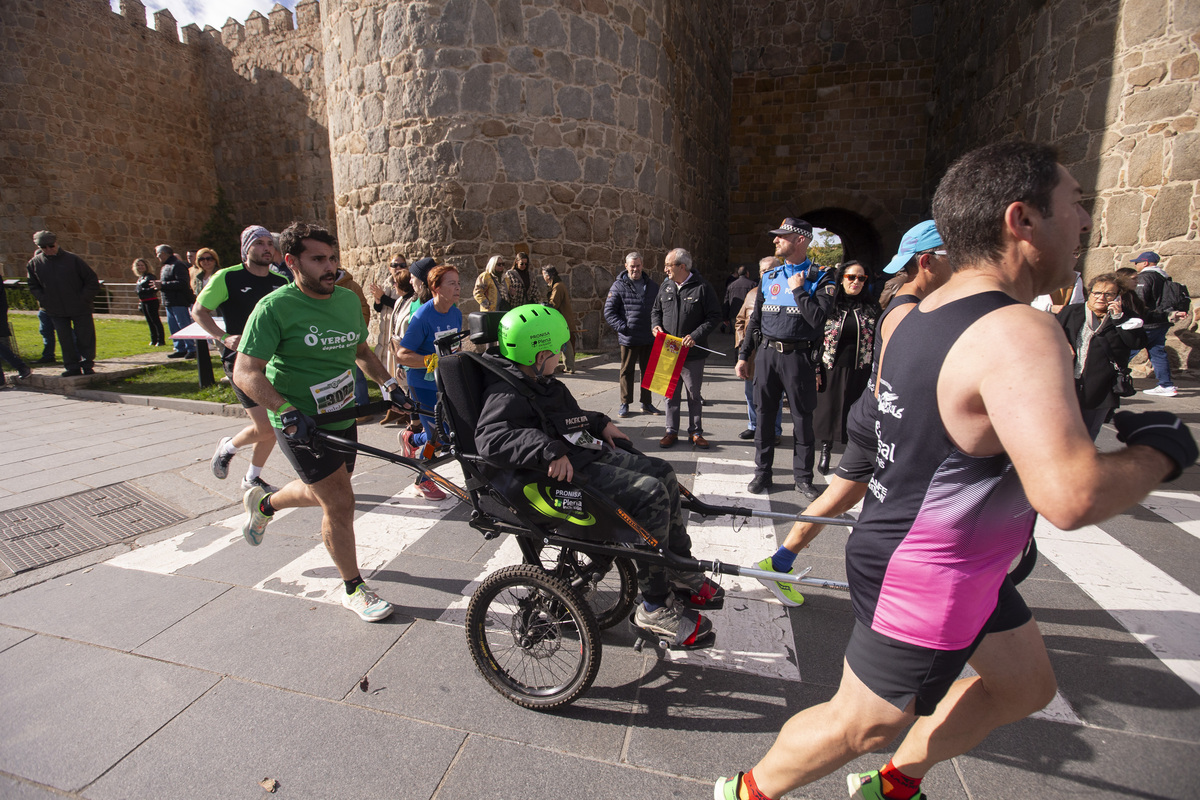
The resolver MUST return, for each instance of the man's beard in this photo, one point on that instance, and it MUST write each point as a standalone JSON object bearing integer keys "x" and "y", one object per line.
{"x": 313, "y": 284}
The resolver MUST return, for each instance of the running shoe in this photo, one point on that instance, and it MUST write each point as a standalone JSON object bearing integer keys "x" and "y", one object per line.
{"x": 682, "y": 627}
{"x": 368, "y": 605}
{"x": 1162, "y": 391}
{"x": 256, "y": 521}
{"x": 869, "y": 786}
{"x": 785, "y": 592}
{"x": 699, "y": 590}
{"x": 430, "y": 489}
{"x": 221, "y": 459}
{"x": 728, "y": 788}
{"x": 259, "y": 482}
{"x": 407, "y": 448}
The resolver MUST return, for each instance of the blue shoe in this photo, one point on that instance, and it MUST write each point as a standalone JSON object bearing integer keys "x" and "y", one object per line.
{"x": 623, "y": 410}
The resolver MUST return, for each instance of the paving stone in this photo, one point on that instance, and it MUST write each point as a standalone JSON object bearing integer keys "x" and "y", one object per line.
{"x": 68, "y": 715}
{"x": 11, "y": 636}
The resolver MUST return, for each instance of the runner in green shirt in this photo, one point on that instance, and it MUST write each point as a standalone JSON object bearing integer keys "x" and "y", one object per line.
{"x": 296, "y": 359}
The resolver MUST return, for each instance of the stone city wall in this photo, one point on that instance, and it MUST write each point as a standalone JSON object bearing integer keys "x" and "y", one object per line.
{"x": 266, "y": 88}
{"x": 575, "y": 131}
{"x": 1114, "y": 87}
{"x": 829, "y": 121}
{"x": 105, "y": 130}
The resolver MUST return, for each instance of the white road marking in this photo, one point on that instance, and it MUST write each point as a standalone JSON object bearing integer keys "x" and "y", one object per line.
{"x": 171, "y": 555}
{"x": 1181, "y": 508}
{"x": 1158, "y": 610}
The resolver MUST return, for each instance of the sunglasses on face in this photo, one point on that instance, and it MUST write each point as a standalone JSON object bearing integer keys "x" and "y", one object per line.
{"x": 856, "y": 278}
{"x": 397, "y": 265}
{"x": 206, "y": 258}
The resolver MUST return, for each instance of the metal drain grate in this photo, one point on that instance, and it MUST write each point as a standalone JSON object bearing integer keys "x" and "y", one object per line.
{"x": 37, "y": 535}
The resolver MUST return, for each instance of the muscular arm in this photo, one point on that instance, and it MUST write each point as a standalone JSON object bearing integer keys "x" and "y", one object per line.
{"x": 1007, "y": 386}
{"x": 370, "y": 364}
{"x": 249, "y": 373}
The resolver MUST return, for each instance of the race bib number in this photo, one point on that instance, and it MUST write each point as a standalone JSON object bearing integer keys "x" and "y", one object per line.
{"x": 334, "y": 394}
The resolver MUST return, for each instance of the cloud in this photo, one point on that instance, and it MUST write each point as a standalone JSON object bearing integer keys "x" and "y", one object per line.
{"x": 208, "y": 12}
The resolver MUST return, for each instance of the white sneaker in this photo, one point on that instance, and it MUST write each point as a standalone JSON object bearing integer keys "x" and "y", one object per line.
{"x": 1162, "y": 391}
{"x": 368, "y": 605}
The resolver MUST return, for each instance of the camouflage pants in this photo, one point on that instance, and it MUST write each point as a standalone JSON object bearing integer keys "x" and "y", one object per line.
{"x": 648, "y": 489}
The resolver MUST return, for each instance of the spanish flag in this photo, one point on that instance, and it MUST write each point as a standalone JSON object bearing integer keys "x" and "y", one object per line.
{"x": 666, "y": 362}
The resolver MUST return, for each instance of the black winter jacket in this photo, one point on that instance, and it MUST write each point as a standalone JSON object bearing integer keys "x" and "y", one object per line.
{"x": 176, "y": 283}
{"x": 63, "y": 283}
{"x": 1108, "y": 352}
{"x": 510, "y": 433}
{"x": 688, "y": 310}
{"x": 627, "y": 310}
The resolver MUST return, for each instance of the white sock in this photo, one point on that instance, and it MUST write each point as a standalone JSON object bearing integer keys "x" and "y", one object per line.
{"x": 228, "y": 448}
{"x": 253, "y": 472}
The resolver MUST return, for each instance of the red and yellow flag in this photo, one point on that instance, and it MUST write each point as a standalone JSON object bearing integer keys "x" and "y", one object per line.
{"x": 666, "y": 362}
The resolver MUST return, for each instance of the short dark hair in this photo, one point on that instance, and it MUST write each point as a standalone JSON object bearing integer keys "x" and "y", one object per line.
{"x": 972, "y": 197}
{"x": 291, "y": 241}
{"x": 1108, "y": 277}
{"x": 552, "y": 272}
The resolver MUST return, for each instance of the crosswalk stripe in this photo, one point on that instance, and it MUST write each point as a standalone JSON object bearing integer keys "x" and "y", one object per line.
{"x": 171, "y": 555}
{"x": 1180, "y": 508}
{"x": 1158, "y": 610}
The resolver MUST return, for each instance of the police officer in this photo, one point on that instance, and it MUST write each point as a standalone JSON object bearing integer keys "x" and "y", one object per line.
{"x": 786, "y": 325}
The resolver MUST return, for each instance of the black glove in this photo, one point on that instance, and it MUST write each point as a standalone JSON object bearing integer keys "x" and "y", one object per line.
{"x": 400, "y": 400}
{"x": 1161, "y": 430}
{"x": 304, "y": 426}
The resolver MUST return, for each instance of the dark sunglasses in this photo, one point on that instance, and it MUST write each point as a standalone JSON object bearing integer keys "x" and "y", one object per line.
{"x": 206, "y": 258}
{"x": 856, "y": 278}
{"x": 398, "y": 265}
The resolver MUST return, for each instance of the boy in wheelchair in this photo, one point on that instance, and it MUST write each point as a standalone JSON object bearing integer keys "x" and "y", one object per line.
{"x": 512, "y": 434}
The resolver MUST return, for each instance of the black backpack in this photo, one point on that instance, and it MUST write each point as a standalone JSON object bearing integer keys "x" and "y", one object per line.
{"x": 1175, "y": 297}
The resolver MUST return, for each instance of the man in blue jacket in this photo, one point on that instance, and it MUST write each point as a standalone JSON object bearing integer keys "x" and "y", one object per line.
{"x": 627, "y": 311}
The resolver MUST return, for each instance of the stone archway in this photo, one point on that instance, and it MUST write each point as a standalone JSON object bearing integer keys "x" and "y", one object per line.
{"x": 860, "y": 240}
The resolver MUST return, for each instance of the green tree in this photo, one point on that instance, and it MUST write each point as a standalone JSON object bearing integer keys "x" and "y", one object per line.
{"x": 221, "y": 232}
{"x": 826, "y": 256}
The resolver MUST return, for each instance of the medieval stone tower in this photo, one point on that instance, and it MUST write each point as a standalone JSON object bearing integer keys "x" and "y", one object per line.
{"x": 578, "y": 130}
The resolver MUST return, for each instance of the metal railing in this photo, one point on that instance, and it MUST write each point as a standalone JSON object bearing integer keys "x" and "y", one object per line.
{"x": 114, "y": 298}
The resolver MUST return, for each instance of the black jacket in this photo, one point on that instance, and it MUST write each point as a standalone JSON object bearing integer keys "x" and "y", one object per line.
{"x": 1108, "y": 352}
{"x": 688, "y": 310}
{"x": 627, "y": 310}
{"x": 1150, "y": 283}
{"x": 63, "y": 284}
{"x": 176, "y": 283}
{"x": 510, "y": 433}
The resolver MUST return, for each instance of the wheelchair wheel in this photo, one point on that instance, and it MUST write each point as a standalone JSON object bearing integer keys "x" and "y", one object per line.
{"x": 532, "y": 638}
{"x": 608, "y": 585}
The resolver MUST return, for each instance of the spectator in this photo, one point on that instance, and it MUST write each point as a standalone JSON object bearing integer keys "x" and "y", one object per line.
{"x": 65, "y": 286}
{"x": 687, "y": 307}
{"x": 236, "y": 292}
{"x": 203, "y": 268}
{"x": 739, "y": 333}
{"x": 175, "y": 284}
{"x": 519, "y": 288}
{"x": 560, "y": 298}
{"x": 1102, "y": 334}
{"x": 416, "y": 345}
{"x": 845, "y": 363}
{"x": 736, "y": 291}
{"x": 627, "y": 311}
{"x": 46, "y": 331}
{"x": 148, "y": 301}
{"x": 396, "y": 290}
{"x": 489, "y": 292}
{"x": 1150, "y": 281}
{"x": 6, "y": 353}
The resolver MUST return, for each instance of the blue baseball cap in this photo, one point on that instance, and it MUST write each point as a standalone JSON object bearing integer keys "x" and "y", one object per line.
{"x": 919, "y": 238}
{"x": 1149, "y": 256}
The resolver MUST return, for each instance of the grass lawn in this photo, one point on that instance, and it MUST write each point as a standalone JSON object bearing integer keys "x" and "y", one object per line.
{"x": 114, "y": 337}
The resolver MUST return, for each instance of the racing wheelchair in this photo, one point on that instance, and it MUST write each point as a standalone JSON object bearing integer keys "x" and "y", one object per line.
{"x": 533, "y": 629}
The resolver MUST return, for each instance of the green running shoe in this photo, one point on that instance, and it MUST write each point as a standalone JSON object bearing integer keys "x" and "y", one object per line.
{"x": 869, "y": 786}
{"x": 786, "y": 592}
{"x": 727, "y": 788}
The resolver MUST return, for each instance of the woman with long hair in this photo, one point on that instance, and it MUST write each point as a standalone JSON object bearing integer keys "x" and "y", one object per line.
{"x": 846, "y": 351}
{"x": 560, "y": 298}
{"x": 148, "y": 301}
{"x": 434, "y": 317}
{"x": 206, "y": 265}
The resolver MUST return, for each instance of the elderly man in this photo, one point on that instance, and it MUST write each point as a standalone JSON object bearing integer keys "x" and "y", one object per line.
{"x": 64, "y": 285}
{"x": 997, "y": 438}
{"x": 175, "y": 283}
{"x": 787, "y": 322}
{"x": 627, "y": 311}
{"x": 686, "y": 307}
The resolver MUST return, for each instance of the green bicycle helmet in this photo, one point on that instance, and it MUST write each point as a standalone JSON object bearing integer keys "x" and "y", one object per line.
{"x": 528, "y": 330}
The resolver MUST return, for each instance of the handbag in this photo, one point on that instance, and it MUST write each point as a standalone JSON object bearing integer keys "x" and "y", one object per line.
{"x": 1123, "y": 383}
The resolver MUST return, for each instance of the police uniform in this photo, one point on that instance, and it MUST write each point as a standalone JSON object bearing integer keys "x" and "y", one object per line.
{"x": 786, "y": 327}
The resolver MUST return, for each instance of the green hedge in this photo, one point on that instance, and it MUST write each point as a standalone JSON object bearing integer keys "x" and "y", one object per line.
{"x": 19, "y": 298}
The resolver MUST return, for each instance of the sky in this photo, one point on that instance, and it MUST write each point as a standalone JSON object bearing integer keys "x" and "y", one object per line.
{"x": 207, "y": 12}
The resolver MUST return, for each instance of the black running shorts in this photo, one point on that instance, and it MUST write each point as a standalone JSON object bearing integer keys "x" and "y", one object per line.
{"x": 314, "y": 467}
{"x": 900, "y": 672}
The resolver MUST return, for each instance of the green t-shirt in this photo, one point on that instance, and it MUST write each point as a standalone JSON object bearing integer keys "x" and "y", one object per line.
{"x": 309, "y": 346}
